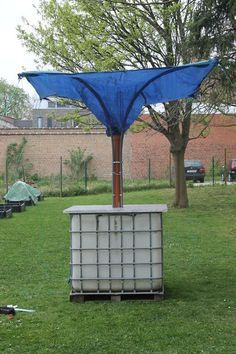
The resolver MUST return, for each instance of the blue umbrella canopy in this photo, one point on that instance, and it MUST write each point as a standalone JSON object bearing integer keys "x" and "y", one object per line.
{"x": 116, "y": 98}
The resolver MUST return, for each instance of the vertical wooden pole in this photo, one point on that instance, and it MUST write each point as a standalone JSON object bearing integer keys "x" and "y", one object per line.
{"x": 117, "y": 181}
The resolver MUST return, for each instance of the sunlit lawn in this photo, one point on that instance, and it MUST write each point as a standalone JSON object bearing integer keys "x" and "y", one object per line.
{"x": 197, "y": 315}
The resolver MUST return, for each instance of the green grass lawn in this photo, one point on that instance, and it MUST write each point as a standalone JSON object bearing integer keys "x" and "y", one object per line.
{"x": 195, "y": 317}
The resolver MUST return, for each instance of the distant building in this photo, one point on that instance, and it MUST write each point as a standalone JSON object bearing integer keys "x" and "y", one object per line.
{"x": 49, "y": 116}
{"x": 7, "y": 122}
{"x": 23, "y": 123}
{"x": 46, "y": 115}
{"x": 13, "y": 123}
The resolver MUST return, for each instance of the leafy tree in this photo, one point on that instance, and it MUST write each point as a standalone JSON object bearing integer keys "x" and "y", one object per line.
{"x": 14, "y": 101}
{"x": 82, "y": 118}
{"x": 18, "y": 167}
{"x": 214, "y": 28}
{"x": 118, "y": 34}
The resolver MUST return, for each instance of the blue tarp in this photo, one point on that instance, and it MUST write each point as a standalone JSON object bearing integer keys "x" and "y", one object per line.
{"x": 116, "y": 98}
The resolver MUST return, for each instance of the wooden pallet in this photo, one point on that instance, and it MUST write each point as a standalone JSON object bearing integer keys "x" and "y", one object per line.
{"x": 79, "y": 298}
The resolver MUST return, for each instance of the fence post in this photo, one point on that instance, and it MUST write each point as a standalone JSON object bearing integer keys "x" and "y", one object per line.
{"x": 61, "y": 176}
{"x": 225, "y": 164}
{"x": 6, "y": 175}
{"x": 23, "y": 173}
{"x": 170, "y": 168}
{"x": 149, "y": 171}
{"x": 213, "y": 171}
{"x": 85, "y": 176}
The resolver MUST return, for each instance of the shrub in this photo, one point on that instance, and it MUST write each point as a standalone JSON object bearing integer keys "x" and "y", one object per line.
{"x": 18, "y": 167}
{"x": 77, "y": 162}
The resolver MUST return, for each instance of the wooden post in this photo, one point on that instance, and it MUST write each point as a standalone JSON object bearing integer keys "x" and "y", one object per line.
{"x": 117, "y": 181}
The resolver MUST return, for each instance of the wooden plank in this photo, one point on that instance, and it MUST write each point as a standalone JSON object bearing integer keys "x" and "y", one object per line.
{"x": 80, "y": 298}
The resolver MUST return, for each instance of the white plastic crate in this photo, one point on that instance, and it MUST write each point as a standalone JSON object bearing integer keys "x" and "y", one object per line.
{"x": 116, "y": 250}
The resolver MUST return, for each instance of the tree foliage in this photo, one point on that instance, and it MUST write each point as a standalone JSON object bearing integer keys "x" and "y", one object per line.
{"x": 118, "y": 34}
{"x": 214, "y": 28}
{"x": 81, "y": 116}
{"x": 77, "y": 161}
{"x": 18, "y": 166}
{"x": 14, "y": 102}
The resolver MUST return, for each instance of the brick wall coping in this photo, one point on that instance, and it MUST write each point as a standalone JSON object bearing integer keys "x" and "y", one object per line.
{"x": 50, "y": 131}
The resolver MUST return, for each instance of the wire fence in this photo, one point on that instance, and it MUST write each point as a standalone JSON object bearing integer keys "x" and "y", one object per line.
{"x": 73, "y": 181}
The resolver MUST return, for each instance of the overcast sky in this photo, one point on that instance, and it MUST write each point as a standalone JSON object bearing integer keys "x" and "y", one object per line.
{"x": 13, "y": 56}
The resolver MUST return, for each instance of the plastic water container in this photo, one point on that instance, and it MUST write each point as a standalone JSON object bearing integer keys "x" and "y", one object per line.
{"x": 116, "y": 250}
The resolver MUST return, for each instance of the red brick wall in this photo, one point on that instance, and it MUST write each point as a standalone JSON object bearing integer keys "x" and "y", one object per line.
{"x": 154, "y": 146}
{"x": 45, "y": 146}
{"x": 147, "y": 146}
{"x": 214, "y": 145}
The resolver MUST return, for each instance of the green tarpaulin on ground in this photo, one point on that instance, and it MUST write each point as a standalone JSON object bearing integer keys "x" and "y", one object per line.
{"x": 22, "y": 191}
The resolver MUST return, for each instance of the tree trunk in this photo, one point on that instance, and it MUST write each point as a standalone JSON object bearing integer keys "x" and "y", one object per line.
{"x": 181, "y": 196}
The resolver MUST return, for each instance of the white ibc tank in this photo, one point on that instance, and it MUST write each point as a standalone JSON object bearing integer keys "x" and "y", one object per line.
{"x": 116, "y": 250}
